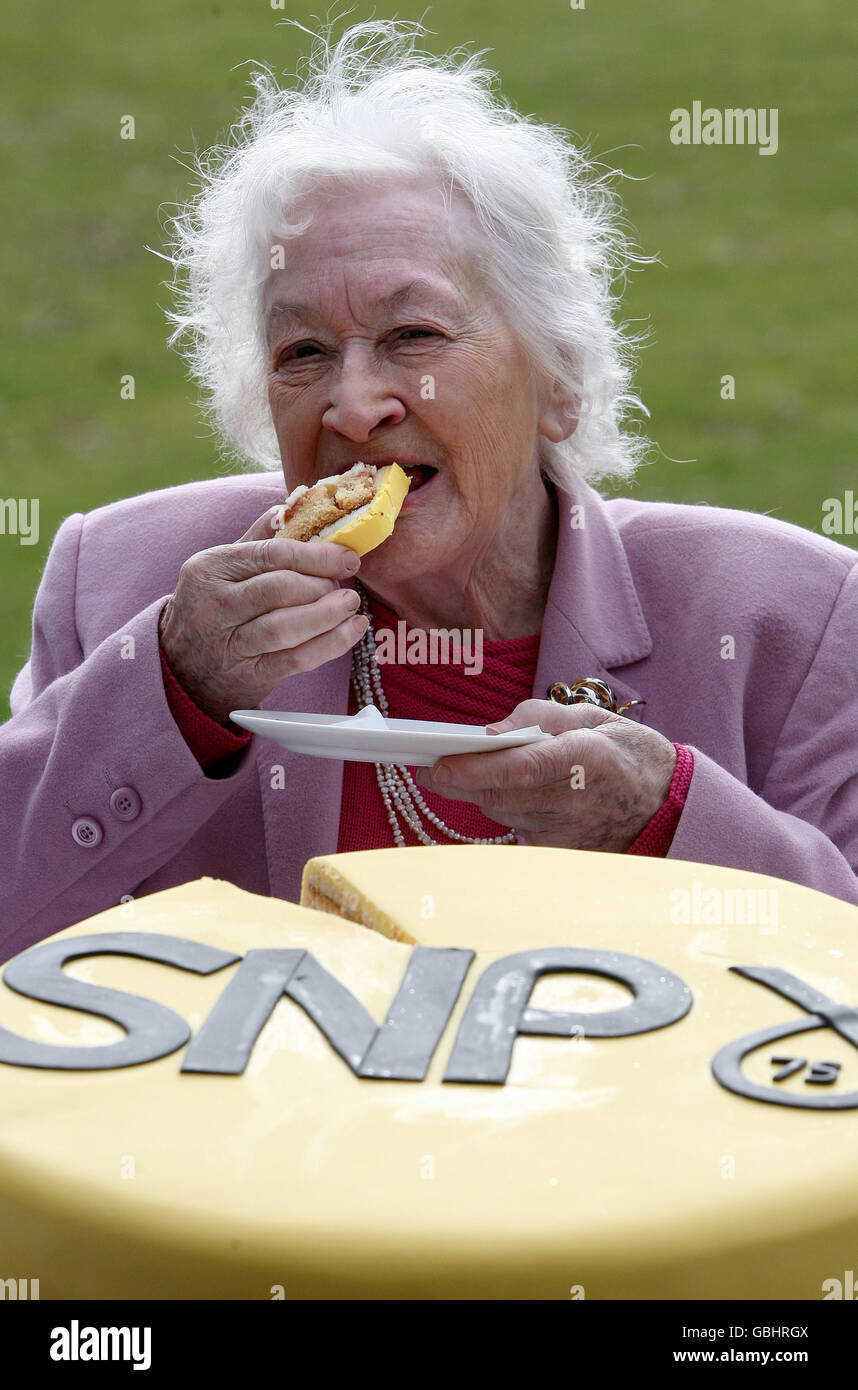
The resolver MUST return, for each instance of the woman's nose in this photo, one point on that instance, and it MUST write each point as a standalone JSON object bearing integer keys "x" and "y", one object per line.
{"x": 362, "y": 399}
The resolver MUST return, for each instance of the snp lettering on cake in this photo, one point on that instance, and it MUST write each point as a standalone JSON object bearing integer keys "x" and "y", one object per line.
{"x": 821, "y": 1012}
{"x": 402, "y": 1047}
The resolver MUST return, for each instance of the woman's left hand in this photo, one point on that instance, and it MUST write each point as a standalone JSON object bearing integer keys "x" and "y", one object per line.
{"x": 595, "y": 785}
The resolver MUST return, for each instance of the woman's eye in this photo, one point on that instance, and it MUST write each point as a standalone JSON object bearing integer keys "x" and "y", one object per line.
{"x": 420, "y": 332}
{"x": 300, "y": 352}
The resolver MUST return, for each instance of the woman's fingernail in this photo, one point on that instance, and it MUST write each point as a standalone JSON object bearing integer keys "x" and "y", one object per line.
{"x": 496, "y": 728}
{"x": 441, "y": 774}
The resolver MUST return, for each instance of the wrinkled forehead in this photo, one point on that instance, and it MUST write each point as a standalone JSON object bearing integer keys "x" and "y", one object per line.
{"x": 400, "y": 243}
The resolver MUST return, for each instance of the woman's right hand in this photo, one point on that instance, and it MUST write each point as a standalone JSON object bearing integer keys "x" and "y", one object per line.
{"x": 245, "y": 615}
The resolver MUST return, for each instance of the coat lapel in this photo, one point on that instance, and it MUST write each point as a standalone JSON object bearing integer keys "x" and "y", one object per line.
{"x": 593, "y": 621}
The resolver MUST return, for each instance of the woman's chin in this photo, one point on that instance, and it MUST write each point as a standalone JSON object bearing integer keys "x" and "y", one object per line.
{"x": 403, "y": 556}
{"x": 423, "y": 540}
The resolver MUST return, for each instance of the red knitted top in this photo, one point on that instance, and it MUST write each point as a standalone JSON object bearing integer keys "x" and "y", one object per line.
{"x": 447, "y": 693}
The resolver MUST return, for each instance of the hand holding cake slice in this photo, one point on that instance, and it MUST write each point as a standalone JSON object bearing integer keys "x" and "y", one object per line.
{"x": 357, "y": 508}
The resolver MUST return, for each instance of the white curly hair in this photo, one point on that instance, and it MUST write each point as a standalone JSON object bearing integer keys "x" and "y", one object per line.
{"x": 373, "y": 105}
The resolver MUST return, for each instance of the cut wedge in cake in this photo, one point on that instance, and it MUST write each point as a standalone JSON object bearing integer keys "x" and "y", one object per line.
{"x": 357, "y": 508}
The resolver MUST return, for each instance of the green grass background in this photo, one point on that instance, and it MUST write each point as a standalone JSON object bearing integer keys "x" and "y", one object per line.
{"x": 758, "y": 253}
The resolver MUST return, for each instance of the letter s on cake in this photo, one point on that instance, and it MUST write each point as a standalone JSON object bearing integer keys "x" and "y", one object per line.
{"x": 357, "y": 508}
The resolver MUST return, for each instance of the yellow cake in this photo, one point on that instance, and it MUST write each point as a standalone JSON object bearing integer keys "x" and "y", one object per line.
{"x": 518, "y": 1073}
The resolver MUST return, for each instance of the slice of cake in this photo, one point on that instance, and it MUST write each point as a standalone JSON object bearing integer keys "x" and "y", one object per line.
{"x": 357, "y": 508}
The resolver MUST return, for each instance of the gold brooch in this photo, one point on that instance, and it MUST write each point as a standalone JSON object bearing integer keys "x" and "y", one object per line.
{"x": 588, "y": 691}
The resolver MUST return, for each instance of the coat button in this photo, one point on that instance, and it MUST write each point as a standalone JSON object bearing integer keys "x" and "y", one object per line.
{"x": 125, "y": 803}
{"x": 87, "y": 832}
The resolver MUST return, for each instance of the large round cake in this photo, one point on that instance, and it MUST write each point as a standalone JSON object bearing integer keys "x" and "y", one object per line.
{"x": 452, "y": 1072}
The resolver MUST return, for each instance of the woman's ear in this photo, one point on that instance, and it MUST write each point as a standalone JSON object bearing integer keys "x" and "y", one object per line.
{"x": 558, "y": 418}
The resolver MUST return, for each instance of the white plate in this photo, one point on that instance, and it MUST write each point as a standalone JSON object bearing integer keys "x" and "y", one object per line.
{"x": 370, "y": 738}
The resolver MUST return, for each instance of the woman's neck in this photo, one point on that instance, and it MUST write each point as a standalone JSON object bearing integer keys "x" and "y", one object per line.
{"x": 503, "y": 593}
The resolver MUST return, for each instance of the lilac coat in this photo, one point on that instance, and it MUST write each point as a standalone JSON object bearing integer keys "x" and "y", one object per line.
{"x": 643, "y": 595}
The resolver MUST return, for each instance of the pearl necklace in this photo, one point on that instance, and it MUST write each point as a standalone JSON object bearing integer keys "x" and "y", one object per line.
{"x": 398, "y": 789}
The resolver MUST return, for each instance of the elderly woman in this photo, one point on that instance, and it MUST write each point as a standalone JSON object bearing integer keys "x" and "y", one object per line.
{"x": 390, "y": 264}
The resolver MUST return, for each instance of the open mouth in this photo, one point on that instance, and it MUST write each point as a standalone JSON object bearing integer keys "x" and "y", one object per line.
{"x": 420, "y": 474}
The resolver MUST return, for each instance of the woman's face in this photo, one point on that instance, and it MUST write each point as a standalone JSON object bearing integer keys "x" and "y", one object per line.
{"x": 384, "y": 343}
